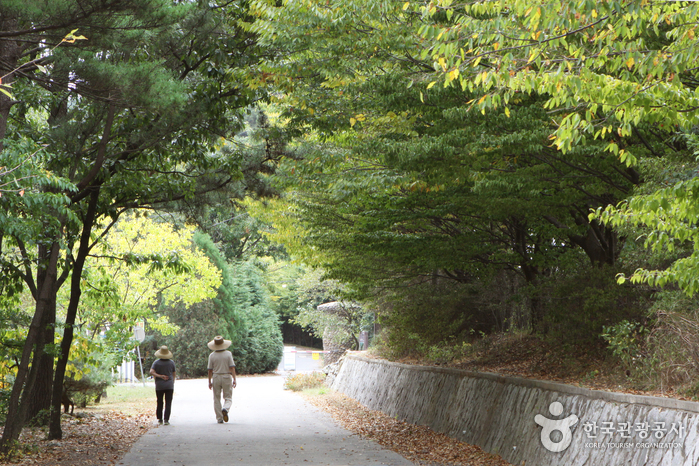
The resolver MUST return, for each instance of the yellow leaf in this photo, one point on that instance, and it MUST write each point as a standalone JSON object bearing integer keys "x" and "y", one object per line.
{"x": 481, "y": 100}
{"x": 422, "y": 98}
{"x": 353, "y": 122}
{"x": 594, "y": 13}
{"x": 496, "y": 45}
{"x": 431, "y": 84}
{"x": 630, "y": 62}
{"x": 507, "y": 112}
{"x": 406, "y": 5}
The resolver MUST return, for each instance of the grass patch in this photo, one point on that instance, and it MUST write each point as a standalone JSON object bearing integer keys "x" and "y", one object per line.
{"x": 128, "y": 399}
{"x": 129, "y": 393}
{"x": 319, "y": 391}
{"x": 305, "y": 381}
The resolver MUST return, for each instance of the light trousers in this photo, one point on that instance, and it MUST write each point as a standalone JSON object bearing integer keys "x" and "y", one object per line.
{"x": 222, "y": 383}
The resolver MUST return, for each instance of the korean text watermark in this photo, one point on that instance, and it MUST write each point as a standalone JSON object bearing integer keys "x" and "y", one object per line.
{"x": 557, "y": 435}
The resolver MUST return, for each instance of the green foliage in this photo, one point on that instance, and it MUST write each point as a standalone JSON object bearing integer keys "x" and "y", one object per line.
{"x": 13, "y": 325}
{"x": 130, "y": 117}
{"x": 259, "y": 346}
{"x": 245, "y": 317}
{"x": 669, "y": 216}
{"x": 398, "y": 182}
{"x": 624, "y": 340}
{"x": 441, "y": 312}
{"x": 610, "y": 71}
{"x": 163, "y": 267}
{"x": 304, "y": 381}
{"x": 446, "y": 352}
{"x": 197, "y": 324}
{"x": 580, "y": 303}
{"x": 609, "y": 67}
{"x": 5, "y": 392}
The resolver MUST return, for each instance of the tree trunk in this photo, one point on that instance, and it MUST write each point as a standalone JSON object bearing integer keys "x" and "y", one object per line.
{"x": 55, "y": 431}
{"x": 40, "y": 391}
{"x": 600, "y": 244}
{"x": 26, "y": 376}
{"x": 523, "y": 247}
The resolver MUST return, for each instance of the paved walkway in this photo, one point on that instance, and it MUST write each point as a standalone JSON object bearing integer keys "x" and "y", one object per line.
{"x": 269, "y": 426}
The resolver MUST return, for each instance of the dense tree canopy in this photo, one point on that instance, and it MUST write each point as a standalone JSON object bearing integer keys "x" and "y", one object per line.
{"x": 612, "y": 70}
{"x": 398, "y": 167}
{"x": 126, "y": 117}
{"x": 449, "y": 141}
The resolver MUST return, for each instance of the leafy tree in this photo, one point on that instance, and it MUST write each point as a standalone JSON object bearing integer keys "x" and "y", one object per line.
{"x": 245, "y": 316}
{"x": 144, "y": 265}
{"x": 413, "y": 174}
{"x": 612, "y": 69}
{"x": 129, "y": 116}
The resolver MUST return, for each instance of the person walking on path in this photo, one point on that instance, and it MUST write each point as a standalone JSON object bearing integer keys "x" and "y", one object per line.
{"x": 221, "y": 370}
{"x": 163, "y": 372}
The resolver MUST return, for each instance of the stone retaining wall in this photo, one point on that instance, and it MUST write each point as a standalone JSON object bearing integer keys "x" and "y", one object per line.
{"x": 498, "y": 414}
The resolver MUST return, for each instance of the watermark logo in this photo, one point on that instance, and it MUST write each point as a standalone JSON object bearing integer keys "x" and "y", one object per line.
{"x": 549, "y": 426}
{"x": 556, "y": 434}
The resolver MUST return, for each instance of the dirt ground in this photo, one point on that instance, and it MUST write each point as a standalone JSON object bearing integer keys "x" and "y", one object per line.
{"x": 90, "y": 437}
{"x": 419, "y": 444}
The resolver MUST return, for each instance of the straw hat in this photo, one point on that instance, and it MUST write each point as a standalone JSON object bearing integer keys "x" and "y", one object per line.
{"x": 163, "y": 353}
{"x": 218, "y": 343}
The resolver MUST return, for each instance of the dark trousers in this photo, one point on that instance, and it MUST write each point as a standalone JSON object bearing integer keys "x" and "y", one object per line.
{"x": 160, "y": 394}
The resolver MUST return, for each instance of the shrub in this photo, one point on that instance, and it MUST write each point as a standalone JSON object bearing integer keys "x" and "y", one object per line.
{"x": 5, "y": 392}
{"x": 663, "y": 354}
{"x": 625, "y": 340}
{"x": 579, "y": 304}
{"x": 198, "y": 324}
{"x": 424, "y": 317}
{"x": 260, "y": 349}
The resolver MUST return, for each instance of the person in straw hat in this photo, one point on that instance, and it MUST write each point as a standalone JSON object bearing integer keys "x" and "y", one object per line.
{"x": 163, "y": 372}
{"x": 221, "y": 376}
